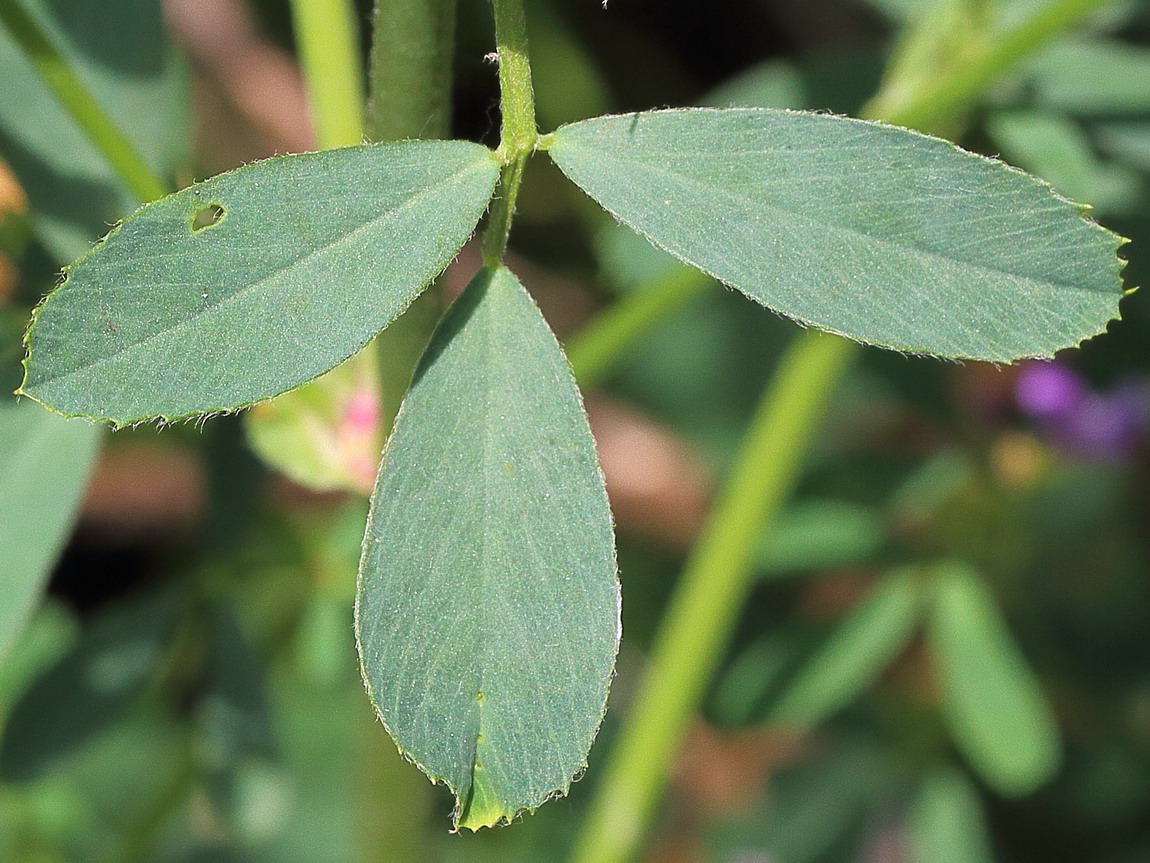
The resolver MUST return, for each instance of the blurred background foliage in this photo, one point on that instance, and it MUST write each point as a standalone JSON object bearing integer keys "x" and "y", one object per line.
{"x": 946, "y": 657}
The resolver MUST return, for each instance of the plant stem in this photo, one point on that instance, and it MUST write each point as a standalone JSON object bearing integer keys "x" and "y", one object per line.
{"x": 411, "y": 61}
{"x": 413, "y": 45}
{"x": 113, "y": 145}
{"x": 706, "y": 603}
{"x": 595, "y": 348}
{"x": 328, "y": 40}
{"x": 519, "y": 135}
{"x": 717, "y": 575}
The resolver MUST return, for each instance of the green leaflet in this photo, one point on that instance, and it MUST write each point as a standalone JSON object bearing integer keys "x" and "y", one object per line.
{"x": 309, "y": 257}
{"x": 488, "y": 606}
{"x": 44, "y": 465}
{"x": 947, "y": 823}
{"x": 855, "y": 654}
{"x": 991, "y": 699}
{"x": 874, "y": 232}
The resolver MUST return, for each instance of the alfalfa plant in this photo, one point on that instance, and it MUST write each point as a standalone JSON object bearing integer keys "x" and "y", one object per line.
{"x": 488, "y": 604}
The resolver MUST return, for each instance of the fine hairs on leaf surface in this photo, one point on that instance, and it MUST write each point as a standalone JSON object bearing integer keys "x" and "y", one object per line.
{"x": 874, "y": 232}
{"x": 487, "y": 614}
{"x": 254, "y": 282}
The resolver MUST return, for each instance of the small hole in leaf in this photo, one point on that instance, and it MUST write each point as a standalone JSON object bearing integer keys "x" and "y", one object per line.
{"x": 207, "y": 217}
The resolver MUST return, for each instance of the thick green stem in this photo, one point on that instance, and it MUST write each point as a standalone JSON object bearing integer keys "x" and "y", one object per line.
{"x": 113, "y": 145}
{"x": 328, "y": 41}
{"x": 519, "y": 135}
{"x": 411, "y": 62}
{"x": 413, "y": 45}
{"x": 717, "y": 576}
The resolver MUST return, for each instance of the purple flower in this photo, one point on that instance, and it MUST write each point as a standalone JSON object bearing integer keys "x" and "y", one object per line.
{"x": 1049, "y": 391}
{"x": 1079, "y": 420}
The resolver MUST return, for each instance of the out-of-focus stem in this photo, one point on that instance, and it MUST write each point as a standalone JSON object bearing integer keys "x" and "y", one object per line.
{"x": 54, "y": 70}
{"x": 969, "y": 80}
{"x": 328, "y": 42}
{"x": 413, "y": 46}
{"x": 411, "y": 61}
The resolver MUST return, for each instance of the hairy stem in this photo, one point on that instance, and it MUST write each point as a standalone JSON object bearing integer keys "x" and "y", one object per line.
{"x": 412, "y": 49}
{"x": 717, "y": 575}
{"x": 519, "y": 135}
{"x": 113, "y": 145}
{"x": 328, "y": 41}
{"x": 411, "y": 62}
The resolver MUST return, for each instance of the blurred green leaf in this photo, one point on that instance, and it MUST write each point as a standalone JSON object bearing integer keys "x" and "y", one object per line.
{"x": 47, "y": 637}
{"x": 820, "y": 534}
{"x": 1057, "y": 149}
{"x": 911, "y": 242}
{"x": 991, "y": 699}
{"x": 755, "y": 674}
{"x": 838, "y": 79}
{"x": 121, "y": 795}
{"x": 88, "y": 689}
{"x": 852, "y": 658}
{"x": 233, "y": 706}
{"x": 302, "y": 808}
{"x": 568, "y": 83}
{"x": 947, "y": 824}
{"x": 774, "y": 84}
{"x": 630, "y": 262}
{"x": 845, "y": 777}
{"x": 254, "y": 282}
{"x": 44, "y": 466}
{"x": 932, "y": 485}
{"x": 488, "y": 612}
{"x": 1091, "y": 78}
{"x": 1128, "y": 142}
{"x": 121, "y": 52}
